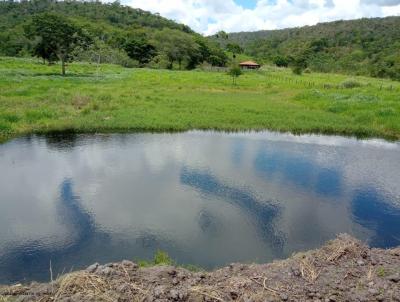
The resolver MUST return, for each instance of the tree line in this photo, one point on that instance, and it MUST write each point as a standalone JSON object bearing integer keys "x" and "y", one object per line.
{"x": 104, "y": 33}
{"x": 361, "y": 47}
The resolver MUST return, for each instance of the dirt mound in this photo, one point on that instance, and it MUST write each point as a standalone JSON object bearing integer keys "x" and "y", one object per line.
{"x": 342, "y": 270}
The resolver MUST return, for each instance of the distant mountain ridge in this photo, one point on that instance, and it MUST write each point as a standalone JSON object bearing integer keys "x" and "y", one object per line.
{"x": 363, "y": 46}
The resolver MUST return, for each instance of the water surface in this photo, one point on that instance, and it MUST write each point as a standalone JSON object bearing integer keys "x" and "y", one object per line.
{"x": 206, "y": 198}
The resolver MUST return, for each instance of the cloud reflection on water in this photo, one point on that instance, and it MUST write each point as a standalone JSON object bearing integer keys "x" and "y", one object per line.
{"x": 85, "y": 198}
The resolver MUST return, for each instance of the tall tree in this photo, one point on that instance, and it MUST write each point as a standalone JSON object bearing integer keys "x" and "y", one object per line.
{"x": 177, "y": 46}
{"x": 139, "y": 49}
{"x": 56, "y": 36}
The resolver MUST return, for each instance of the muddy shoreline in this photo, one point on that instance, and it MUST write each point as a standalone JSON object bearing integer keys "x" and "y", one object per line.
{"x": 342, "y": 270}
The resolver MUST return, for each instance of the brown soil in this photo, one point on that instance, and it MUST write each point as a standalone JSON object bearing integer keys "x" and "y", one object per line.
{"x": 342, "y": 270}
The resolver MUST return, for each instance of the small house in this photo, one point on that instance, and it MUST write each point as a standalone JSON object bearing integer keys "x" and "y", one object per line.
{"x": 249, "y": 65}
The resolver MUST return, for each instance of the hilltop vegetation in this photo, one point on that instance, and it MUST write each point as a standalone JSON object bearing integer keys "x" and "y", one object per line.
{"x": 116, "y": 34}
{"x": 361, "y": 47}
{"x": 36, "y": 99}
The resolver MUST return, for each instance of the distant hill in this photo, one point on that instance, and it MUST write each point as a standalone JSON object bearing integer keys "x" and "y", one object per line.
{"x": 13, "y": 13}
{"x": 123, "y": 31}
{"x": 364, "y": 46}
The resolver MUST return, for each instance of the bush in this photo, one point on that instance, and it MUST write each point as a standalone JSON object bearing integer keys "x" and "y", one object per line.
{"x": 235, "y": 72}
{"x": 162, "y": 258}
{"x": 297, "y": 70}
{"x": 281, "y": 61}
{"x": 350, "y": 84}
{"x": 159, "y": 62}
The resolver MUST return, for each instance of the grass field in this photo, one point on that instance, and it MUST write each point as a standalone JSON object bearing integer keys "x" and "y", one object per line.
{"x": 34, "y": 98}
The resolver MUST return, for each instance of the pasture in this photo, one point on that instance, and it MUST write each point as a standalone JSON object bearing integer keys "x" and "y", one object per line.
{"x": 34, "y": 98}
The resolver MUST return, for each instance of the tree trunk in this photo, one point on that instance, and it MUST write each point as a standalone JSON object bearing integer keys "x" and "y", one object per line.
{"x": 63, "y": 67}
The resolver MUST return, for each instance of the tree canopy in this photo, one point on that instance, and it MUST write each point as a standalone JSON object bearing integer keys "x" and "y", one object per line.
{"x": 361, "y": 47}
{"x": 55, "y": 37}
{"x": 121, "y": 35}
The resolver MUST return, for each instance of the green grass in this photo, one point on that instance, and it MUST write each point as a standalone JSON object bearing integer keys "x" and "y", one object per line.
{"x": 34, "y": 98}
{"x": 162, "y": 258}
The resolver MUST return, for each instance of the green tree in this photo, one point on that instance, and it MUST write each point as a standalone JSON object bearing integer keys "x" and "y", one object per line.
{"x": 56, "y": 37}
{"x": 234, "y": 48}
{"x": 176, "y": 45}
{"x": 298, "y": 64}
{"x": 141, "y": 50}
{"x": 235, "y": 72}
{"x": 222, "y": 35}
{"x": 281, "y": 61}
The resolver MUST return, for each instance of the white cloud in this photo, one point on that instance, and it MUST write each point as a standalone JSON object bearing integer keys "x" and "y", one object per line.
{"x": 210, "y": 16}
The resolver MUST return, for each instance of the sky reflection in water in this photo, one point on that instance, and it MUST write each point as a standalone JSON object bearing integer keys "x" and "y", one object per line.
{"x": 206, "y": 198}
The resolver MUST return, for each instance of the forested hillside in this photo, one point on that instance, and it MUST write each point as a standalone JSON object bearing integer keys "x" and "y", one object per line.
{"x": 364, "y": 46}
{"x": 113, "y": 34}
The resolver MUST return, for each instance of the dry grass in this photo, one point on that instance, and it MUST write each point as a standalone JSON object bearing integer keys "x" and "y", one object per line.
{"x": 342, "y": 247}
{"x": 92, "y": 285}
{"x": 209, "y": 292}
{"x": 308, "y": 270}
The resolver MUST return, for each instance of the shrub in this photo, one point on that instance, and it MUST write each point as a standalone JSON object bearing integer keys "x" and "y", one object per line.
{"x": 350, "y": 84}
{"x": 235, "y": 72}
{"x": 162, "y": 258}
{"x": 297, "y": 70}
{"x": 281, "y": 61}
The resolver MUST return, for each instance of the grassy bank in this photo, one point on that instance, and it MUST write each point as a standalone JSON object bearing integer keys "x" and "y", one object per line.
{"x": 35, "y": 99}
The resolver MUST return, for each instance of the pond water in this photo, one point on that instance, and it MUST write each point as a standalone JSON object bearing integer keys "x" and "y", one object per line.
{"x": 206, "y": 198}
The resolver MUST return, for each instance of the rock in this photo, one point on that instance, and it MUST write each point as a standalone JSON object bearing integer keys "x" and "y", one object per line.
{"x": 332, "y": 298}
{"x": 175, "y": 281}
{"x": 394, "y": 278}
{"x": 296, "y": 272}
{"x": 41, "y": 289}
{"x": 360, "y": 262}
{"x": 92, "y": 268}
{"x": 284, "y": 297}
{"x": 172, "y": 272}
{"x": 124, "y": 288}
{"x": 174, "y": 294}
{"x": 395, "y": 252}
{"x": 234, "y": 294}
{"x": 159, "y": 291}
{"x": 105, "y": 271}
{"x": 127, "y": 263}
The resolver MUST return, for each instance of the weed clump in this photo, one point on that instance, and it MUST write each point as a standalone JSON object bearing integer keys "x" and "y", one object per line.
{"x": 349, "y": 84}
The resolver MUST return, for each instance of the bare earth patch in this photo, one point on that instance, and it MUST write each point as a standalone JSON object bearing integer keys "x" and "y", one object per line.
{"x": 343, "y": 270}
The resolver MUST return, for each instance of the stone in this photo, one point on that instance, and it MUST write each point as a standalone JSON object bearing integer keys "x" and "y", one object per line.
{"x": 159, "y": 291}
{"x": 394, "y": 278}
{"x": 106, "y": 271}
{"x": 174, "y": 294}
{"x": 92, "y": 268}
{"x": 234, "y": 295}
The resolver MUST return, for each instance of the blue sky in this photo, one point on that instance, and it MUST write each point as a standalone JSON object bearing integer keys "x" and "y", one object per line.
{"x": 209, "y": 16}
{"x": 250, "y": 4}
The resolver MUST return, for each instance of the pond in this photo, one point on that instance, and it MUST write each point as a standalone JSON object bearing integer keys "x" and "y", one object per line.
{"x": 206, "y": 198}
